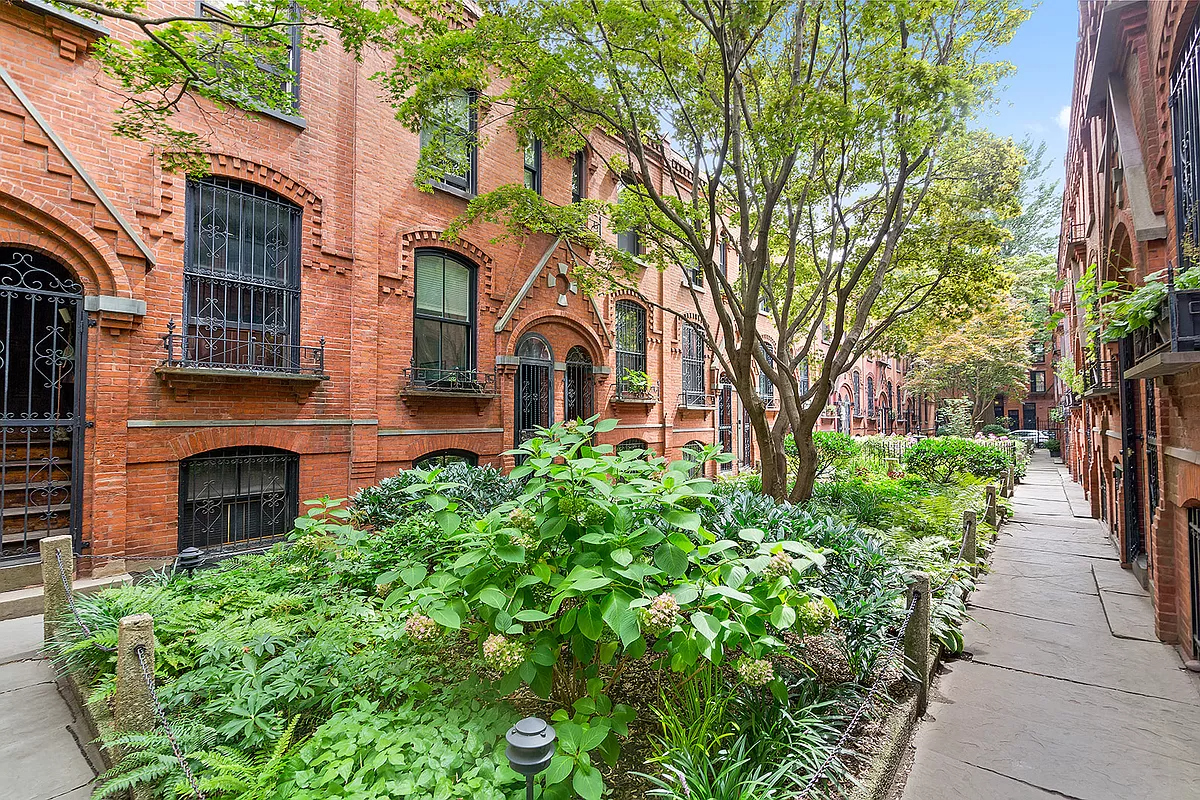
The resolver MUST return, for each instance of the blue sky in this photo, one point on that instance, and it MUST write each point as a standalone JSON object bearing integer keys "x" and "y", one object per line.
{"x": 1033, "y": 99}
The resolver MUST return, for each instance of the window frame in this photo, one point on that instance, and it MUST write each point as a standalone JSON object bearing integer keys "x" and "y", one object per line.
{"x": 445, "y": 456}
{"x": 469, "y": 187}
{"x": 533, "y": 173}
{"x": 1034, "y": 374}
{"x": 694, "y": 363}
{"x": 216, "y": 11}
{"x": 870, "y": 396}
{"x": 472, "y": 323}
{"x": 624, "y": 355}
{"x": 579, "y": 176}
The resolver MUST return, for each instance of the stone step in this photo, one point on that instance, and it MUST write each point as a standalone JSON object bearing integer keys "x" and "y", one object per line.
{"x": 25, "y": 602}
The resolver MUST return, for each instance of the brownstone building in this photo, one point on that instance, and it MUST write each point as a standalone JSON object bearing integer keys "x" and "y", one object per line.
{"x": 1129, "y": 214}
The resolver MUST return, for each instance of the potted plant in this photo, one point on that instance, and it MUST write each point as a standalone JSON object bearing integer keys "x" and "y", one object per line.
{"x": 1054, "y": 447}
{"x": 634, "y": 383}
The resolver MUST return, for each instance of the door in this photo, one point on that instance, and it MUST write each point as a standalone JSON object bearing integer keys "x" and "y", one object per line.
{"x": 579, "y": 386}
{"x": 1029, "y": 416}
{"x": 1193, "y": 521}
{"x": 725, "y": 421}
{"x": 1131, "y": 452}
{"x": 43, "y": 333}
{"x": 533, "y": 402}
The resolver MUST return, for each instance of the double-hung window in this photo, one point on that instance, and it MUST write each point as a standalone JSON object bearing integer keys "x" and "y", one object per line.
{"x": 1037, "y": 351}
{"x": 692, "y": 339}
{"x": 1037, "y": 381}
{"x": 579, "y": 177}
{"x": 693, "y": 274}
{"x": 444, "y": 324}
{"x": 630, "y": 347}
{"x": 241, "y": 283}
{"x": 450, "y": 132}
{"x": 533, "y": 166}
{"x": 766, "y": 389}
{"x": 870, "y": 396}
{"x": 273, "y": 84}
{"x": 629, "y": 242}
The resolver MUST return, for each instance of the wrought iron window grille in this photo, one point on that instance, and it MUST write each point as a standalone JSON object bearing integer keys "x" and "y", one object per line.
{"x": 448, "y": 380}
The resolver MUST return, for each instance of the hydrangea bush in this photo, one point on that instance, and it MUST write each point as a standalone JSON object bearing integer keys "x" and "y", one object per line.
{"x": 601, "y": 561}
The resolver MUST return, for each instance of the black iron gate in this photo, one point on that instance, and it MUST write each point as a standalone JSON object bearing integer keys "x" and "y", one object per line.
{"x": 533, "y": 386}
{"x": 580, "y": 385}
{"x": 725, "y": 421}
{"x": 43, "y": 335}
{"x": 1193, "y": 522}
{"x": 1135, "y": 539}
{"x": 1152, "y": 489}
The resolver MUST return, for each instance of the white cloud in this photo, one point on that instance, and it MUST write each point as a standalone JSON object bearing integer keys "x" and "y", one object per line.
{"x": 1064, "y": 117}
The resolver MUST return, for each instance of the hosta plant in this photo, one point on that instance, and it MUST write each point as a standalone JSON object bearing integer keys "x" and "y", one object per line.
{"x": 603, "y": 560}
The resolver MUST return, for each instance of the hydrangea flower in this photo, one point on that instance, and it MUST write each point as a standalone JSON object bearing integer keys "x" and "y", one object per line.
{"x": 522, "y": 520}
{"x": 816, "y": 616}
{"x": 756, "y": 672}
{"x": 779, "y": 566}
{"x": 503, "y": 655}
{"x": 661, "y": 615}
{"x": 421, "y": 629}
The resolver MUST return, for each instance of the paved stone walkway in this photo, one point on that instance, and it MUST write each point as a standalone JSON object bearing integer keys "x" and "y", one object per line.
{"x": 1067, "y": 694}
{"x": 42, "y": 742}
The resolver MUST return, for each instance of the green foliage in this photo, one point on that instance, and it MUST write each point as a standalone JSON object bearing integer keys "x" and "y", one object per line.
{"x": 833, "y": 449}
{"x": 478, "y": 489}
{"x": 1065, "y": 370}
{"x": 943, "y": 458}
{"x": 1053, "y": 446}
{"x": 995, "y": 429}
{"x": 959, "y": 420}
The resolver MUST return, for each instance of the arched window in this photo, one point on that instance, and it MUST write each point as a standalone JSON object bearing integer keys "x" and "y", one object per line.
{"x": 440, "y": 458}
{"x": 857, "y": 380}
{"x": 870, "y": 396}
{"x": 534, "y": 386}
{"x": 580, "y": 387}
{"x": 632, "y": 445}
{"x": 241, "y": 278}
{"x": 444, "y": 319}
{"x": 237, "y": 497}
{"x": 630, "y": 346}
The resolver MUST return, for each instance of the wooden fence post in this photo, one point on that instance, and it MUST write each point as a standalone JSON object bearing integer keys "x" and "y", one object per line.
{"x": 916, "y": 639}
{"x": 970, "y": 543}
{"x": 134, "y": 711}
{"x": 54, "y": 594}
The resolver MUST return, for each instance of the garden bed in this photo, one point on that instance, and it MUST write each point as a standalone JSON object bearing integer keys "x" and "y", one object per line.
{"x": 679, "y": 634}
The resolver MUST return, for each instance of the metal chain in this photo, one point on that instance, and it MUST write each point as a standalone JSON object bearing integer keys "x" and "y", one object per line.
{"x": 62, "y": 573}
{"x": 140, "y": 651}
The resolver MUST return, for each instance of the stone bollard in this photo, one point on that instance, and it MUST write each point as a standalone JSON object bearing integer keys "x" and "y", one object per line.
{"x": 970, "y": 544}
{"x": 1007, "y": 488}
{"x": 54, "y": 596}
{"x": 134, "y": 711}
{"x": 916, "y": 639}
{"x": 989, "y": 514}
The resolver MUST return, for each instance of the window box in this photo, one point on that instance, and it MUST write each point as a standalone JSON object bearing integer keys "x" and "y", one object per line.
{"x": 1172, "y": 343}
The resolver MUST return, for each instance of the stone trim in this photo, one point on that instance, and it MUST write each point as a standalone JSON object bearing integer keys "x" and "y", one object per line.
{"x": 243, "y": 423}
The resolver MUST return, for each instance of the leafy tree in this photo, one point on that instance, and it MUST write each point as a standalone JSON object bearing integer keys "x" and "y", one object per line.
{"x": 987, "y": 355}
{"x": 828, "y": 140}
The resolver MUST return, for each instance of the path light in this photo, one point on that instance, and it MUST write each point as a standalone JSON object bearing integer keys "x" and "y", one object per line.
{"x": 189, "y": 559}
{"x": 530, "y": 748}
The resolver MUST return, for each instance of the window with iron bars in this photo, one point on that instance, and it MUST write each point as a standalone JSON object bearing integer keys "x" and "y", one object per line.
{"x": 241, "y": 277}
{"x": 693, "y": 364}
{"x": 1185, "y": 126}
{"x": 870, "y": 396}
{"x": 237, "y": 498}
{"x": 630, "y": 343}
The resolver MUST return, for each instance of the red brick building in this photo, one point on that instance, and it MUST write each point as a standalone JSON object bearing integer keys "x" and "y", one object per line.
{"x": 1129, "y": 211}
{"x": 189, "y": 359}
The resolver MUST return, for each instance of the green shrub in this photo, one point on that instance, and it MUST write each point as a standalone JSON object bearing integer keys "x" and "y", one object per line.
{"x": 995, "y": 429}
{"x": 833, "y": 449}
{"x": 477, "y": 489}
{"x": 1054, "y": 446}
{"x": 943, "y": 458}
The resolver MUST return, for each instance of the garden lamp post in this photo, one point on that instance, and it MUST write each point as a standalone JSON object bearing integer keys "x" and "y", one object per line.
{"x": 530, "y": 748}
{"x": 189, "y": 559}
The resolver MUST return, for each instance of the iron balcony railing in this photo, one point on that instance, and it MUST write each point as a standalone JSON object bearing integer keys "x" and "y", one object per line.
{"x": 1101, "y": 377}
{"x": 449, "y": 380}
{"x": 636, "y": 393}
{"x": 243, "y": 351}
{"x": 770, "y": 402}
{"x": 697, "y": 400}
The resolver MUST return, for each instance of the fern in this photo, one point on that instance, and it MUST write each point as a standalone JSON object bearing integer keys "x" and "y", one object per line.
{"x": 148, "y": 760}
{"x": 245, "y": 776}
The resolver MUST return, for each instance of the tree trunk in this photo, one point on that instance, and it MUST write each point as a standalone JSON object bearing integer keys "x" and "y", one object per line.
{"x": 771, "y": 455}
{"x": 806, "y": 467}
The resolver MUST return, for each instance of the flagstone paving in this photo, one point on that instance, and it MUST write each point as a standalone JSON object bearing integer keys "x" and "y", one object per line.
{"x": 1066, "y": 692}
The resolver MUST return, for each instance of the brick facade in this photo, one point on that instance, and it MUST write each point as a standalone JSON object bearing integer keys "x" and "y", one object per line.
{"x": 103, "y": 208}
{"x": 1119, "y": 214}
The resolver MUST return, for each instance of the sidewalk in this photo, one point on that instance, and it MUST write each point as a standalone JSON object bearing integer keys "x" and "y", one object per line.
{"x": 41, "y": 740}
{"x": 1067, "y": 693}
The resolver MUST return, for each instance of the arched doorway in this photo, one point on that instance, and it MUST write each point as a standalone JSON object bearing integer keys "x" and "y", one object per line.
{"x": 580, "y": 385}
{"x": 534, "y": 404}
{"x": 43, "y": 332}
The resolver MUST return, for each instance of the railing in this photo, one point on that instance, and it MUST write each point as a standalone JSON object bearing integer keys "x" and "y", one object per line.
{"x": 242, "y": 351}
{"x": 1076, "y": 232}
{"x": 770, "y": 402}
{"x": 448, "y": 381}
{"x": 1101, "y": 377}
{"x": 697, "y": 400}
{"x": 626, "y": 393}
{"x": 1177, "y": 329}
